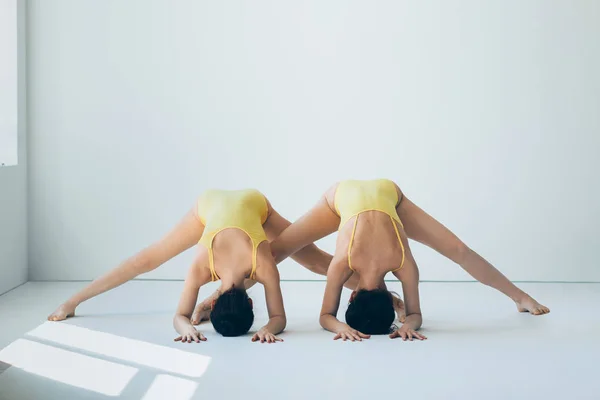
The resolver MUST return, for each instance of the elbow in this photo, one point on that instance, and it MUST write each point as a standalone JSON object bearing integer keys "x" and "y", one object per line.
{"x": 323, "y": 320}
{"x": 283, "y": 322}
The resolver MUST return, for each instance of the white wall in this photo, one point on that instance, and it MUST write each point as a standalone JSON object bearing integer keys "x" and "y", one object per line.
{"x": 485, "y": 112}
{"x": 13, "y": 186}
{"x": 8, "y": 83}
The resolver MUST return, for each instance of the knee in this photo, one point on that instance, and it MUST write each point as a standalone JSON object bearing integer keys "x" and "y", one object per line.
{"x": 459, "y": 252}
{"x": 143, "y": 262}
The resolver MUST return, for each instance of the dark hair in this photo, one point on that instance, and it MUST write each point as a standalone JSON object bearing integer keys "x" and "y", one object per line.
{"x": 232, "y": 313}
{"x": 371, "y": 312}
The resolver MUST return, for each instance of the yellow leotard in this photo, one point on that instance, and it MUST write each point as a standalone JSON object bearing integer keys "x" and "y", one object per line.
{"x": 246, "y": 210}
{"x": 355, "y": 197}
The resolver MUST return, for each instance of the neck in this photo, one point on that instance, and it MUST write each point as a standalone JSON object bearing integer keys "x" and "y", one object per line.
{"x": 371, "y": 280}
{"x": 230, "y": 280}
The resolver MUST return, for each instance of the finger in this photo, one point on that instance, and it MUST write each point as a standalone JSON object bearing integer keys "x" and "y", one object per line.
{"x": 344, "y": 338}
{"x": 355, "y": 336}
{"x": 178, "y": 339}
{"x": 410, "y": 336}
{"x": 196, "y": 339}
{"x": 403, "y": 334}
{"x": 277, "y": 339}
{"x": 338, "y": 336}
{"x": 419, "y": 336}
{"x": 202, "y": 337}
{"x": 363, "y": 335}
{"x": 255, "y": 338}
{"x": 393, "y": 335}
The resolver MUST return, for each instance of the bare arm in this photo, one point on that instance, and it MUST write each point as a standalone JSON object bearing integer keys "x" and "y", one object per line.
{"x": 197, "y": 277}
{"x": 409, "y": 276}
{"x": 337, "y": 275}
{"x": 269, "y": 277}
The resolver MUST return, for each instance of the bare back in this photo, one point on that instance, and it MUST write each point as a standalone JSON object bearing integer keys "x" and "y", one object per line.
{"x": 373, "y": 242}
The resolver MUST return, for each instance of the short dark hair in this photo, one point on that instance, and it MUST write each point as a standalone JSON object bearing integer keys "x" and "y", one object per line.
{"x": 232, "y": 313}
{"x": 371, "y": 312}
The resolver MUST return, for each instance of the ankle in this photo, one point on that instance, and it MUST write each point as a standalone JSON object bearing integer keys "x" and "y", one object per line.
{"x": 71, "y": 303}
{"x": 520, "y": 297}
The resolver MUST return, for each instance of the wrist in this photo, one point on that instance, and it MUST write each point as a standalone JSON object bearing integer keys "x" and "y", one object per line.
{"x": 341, "y": 327}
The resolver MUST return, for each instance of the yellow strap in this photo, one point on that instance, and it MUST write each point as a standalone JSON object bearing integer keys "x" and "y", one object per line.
{"x": 351, "y": 241}
{"x": 399, "y": 240}
{"x": 211, "y": 265}
{"x": 254, "y": 263}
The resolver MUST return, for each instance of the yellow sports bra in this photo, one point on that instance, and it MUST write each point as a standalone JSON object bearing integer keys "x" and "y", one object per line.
{"x": 355, "y": 197}
{"x": 246, "y": 210}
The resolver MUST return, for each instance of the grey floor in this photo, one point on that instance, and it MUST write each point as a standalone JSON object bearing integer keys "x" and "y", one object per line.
{"x": 121, "y": 346}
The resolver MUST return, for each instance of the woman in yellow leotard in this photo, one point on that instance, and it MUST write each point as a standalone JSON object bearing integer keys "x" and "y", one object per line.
{"x": 375, "y": 220}
{"x": 233, "y": 230}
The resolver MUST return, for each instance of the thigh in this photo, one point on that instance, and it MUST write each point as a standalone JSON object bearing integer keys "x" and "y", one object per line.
{"x": 425, "y": 229}
{"x": 184, "y": 235}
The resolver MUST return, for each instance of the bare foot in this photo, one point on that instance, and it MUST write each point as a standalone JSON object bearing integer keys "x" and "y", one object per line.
{"x": 528, "y": 304}
{"x": 200, "y": 315}
{"x": 399, "y": 307}
{"x": 63, "y": 312}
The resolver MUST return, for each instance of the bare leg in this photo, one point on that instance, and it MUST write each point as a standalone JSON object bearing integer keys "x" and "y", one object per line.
{"x": 423, "y": 228}
{"x": 185, "y": 235}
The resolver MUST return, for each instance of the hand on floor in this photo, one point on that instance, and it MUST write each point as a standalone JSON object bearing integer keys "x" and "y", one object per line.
{"x": 192, "y": 335}
{"x": 63, "y": 312}
{"x": 351, "y": 334}
{"x": 528, "y": 304}
{"x": 265, "y": 337}
{"x": 407, "y": 333}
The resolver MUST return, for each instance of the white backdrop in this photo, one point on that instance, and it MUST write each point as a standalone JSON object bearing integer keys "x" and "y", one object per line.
{"x": 485, "y": 113}
{"x": 13, "y": 179}
{"x": 8, "y": 83}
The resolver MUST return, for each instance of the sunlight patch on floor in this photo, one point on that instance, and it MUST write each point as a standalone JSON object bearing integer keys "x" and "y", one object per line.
{"x": 170, "y": 387}
{"x": 67, "y": 367}
{"x": 135, "y": 351}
